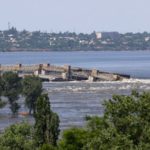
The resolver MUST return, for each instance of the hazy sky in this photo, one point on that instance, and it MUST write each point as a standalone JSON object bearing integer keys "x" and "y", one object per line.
{"x": 76, "y": 15}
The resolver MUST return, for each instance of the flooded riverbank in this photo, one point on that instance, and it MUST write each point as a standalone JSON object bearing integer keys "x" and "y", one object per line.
{"x": 73, "y": 101}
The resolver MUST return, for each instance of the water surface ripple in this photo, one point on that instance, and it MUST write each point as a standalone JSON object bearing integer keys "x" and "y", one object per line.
{"x": 73, "y": 101}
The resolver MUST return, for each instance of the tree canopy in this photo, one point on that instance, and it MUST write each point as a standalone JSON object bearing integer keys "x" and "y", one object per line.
{"x": 46, "y": 122}
{"x": 2, "y": 103}
{"x": 17, "y": 137}
{"x": 12, "y": 89}
{"x": 32, "y": 89}
{"x": 124, "y": 125}
{"x": 43, "y": 135}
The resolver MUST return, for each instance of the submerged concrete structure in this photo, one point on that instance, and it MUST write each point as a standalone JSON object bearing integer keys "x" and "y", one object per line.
{"x": 62, "y": 73}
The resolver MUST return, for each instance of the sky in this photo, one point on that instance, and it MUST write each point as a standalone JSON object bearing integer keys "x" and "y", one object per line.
{"x": 76, "y": 15}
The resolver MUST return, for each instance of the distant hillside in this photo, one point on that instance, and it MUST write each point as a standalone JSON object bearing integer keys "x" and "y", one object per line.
{"x": 13, "y": 40}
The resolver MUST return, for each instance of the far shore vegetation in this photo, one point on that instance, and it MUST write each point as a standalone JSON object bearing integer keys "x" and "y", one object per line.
{"x": 14, "y": 40}
{"x": 124, "y": 125}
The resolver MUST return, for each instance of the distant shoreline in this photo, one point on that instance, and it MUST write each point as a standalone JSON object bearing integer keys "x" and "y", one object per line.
{"x": 14, "y": 40}
{"x": 72, "y": 51}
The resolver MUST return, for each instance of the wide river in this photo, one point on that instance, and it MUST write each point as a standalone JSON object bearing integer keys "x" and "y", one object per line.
{"x": 135, "y": 63}
{"x": 74, "y": 100}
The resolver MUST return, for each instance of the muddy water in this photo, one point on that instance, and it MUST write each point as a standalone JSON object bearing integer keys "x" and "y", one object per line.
{"x": 75, "y": 100}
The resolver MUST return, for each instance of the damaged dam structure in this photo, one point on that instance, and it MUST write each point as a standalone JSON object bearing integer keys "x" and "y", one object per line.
{"x": 50, "y": 72}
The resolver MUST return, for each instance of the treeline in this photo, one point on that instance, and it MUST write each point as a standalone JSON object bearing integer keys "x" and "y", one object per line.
{"x": 124, "y": 125}
{"x": 14, "y": 40}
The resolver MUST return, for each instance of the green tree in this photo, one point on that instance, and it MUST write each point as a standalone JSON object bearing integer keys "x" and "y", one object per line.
{"x": 32, "y": 89}
{"x": 102, "y": 136}
{"x": 73, "y": 139}
{"x": 47, "y": 147}
{"x": 124, "y": 125}
{"x": 12, "y": 89}
{"x": 129, "y": 114}
{"x": 46, "y": 122}
{"x": 17, "y": 137}
{"x": 2, "y": 103}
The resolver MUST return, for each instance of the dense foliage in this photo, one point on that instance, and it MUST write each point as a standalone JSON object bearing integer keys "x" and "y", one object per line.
{"x": 12, "y": 89}
{"x": 17, "y": 137}
{"x": 46, "y": 123}
{"x": 32, "y": 89}
{"x": 2, "y": 103}
{"x": 43, "y": 135}
{"x": 12, "y": 86}
{"x": 125, "y": 125}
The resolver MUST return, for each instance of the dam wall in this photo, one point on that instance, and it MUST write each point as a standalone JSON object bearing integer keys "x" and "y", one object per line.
{"x": 62, "y": 73}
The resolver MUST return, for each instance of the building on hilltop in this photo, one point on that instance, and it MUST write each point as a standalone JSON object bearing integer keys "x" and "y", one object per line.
{"x": 107, "y": 35}
{"x": 98, "y": 35}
